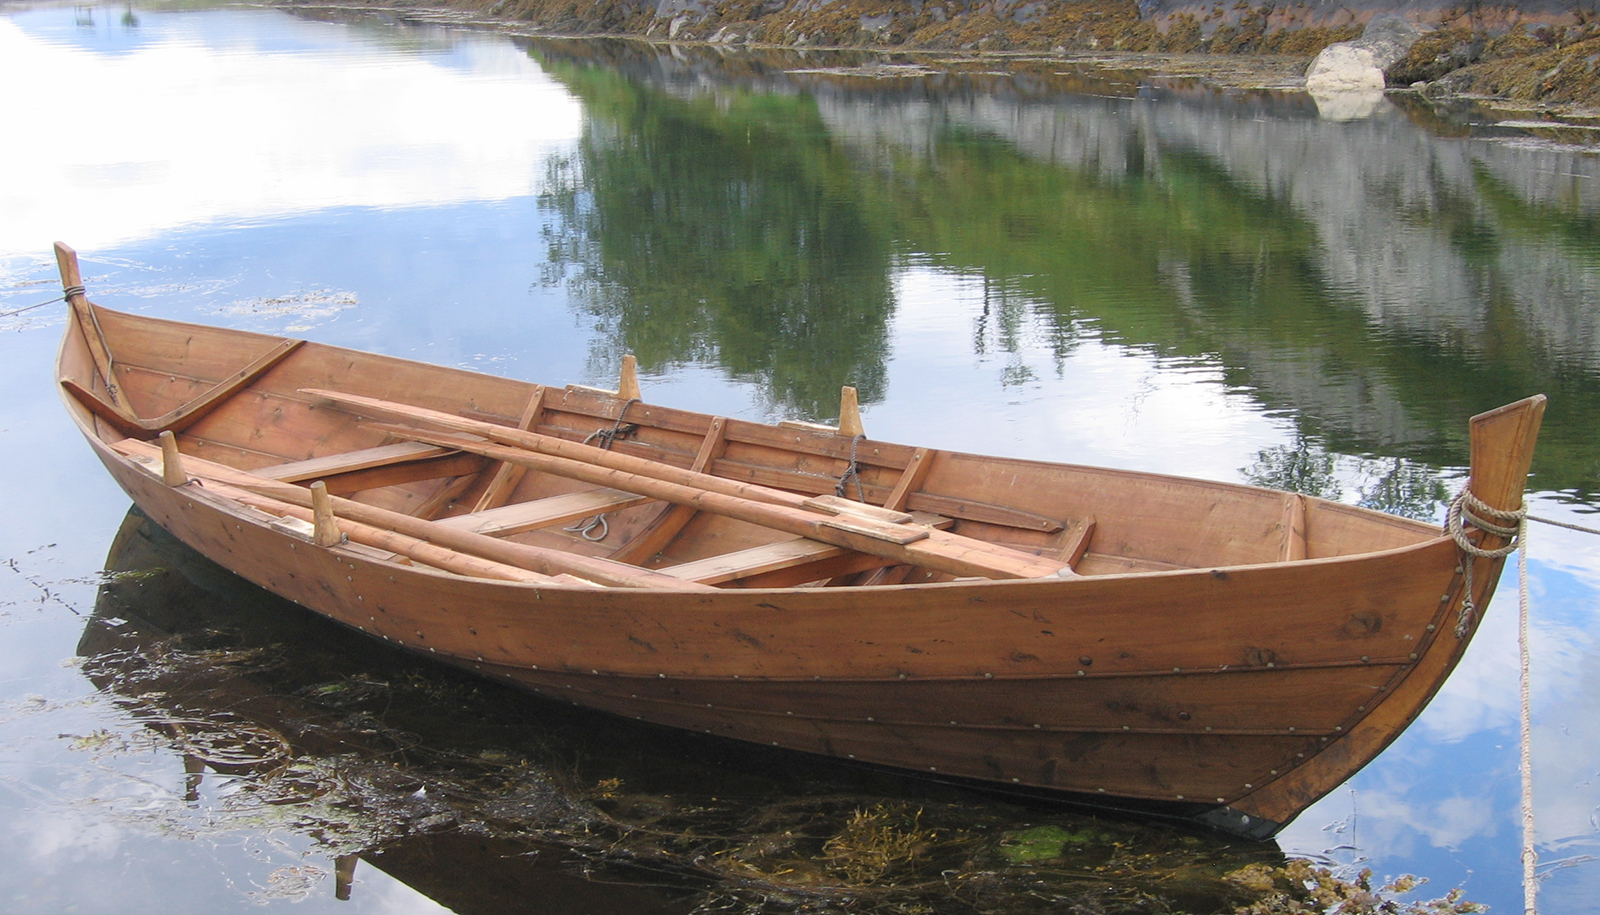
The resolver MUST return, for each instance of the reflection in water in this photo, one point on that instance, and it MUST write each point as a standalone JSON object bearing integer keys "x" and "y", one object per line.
{"x": 1373, "y": 281}
{"x": 1392, "y": 484}
{"x": 488, "y": 800}
{"x": 294, "y": 121}
{"x": 728, "y": 231}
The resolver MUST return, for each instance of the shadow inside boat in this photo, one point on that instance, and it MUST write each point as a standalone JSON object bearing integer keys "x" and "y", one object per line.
{"x": 487, "y": 799}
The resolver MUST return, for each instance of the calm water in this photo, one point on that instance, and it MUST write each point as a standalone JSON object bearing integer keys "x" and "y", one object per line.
{"x": 1045, "y": 263}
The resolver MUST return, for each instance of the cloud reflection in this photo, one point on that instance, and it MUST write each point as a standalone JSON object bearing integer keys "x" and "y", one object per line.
{"x": 237, "y": 132}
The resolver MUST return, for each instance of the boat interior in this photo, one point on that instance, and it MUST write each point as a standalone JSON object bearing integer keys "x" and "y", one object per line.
{"x": 360, "y": 424}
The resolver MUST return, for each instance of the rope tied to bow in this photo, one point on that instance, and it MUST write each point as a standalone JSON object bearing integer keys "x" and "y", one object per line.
{"x": 595, "y": 527}
{"x": 66, "y": 293}
{"x": 1467, "y": 512}
{"x": 852, "y": 471}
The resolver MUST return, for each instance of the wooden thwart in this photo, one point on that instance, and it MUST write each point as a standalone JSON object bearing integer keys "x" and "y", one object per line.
{"x": 754, "y": 561}
{"x": 547, "y": 512}
{"x": 350, "y": 461}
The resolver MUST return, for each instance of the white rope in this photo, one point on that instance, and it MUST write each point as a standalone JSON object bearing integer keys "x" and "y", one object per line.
{"x": 1530, "y": 855}
{"x": 1566, "y": 524}
{"x": 1468, "y": 511}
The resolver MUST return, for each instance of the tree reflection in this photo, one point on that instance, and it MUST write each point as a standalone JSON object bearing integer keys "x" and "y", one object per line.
{"x": 1400, "y": 487}
{"x": 724, "y": 231}
{"x": 1302, "y": 467}
{"x": 1393, "y": 485}
{"x": 721, "y": 210}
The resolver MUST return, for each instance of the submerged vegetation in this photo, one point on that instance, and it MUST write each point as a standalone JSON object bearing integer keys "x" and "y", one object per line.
{"x": 276, "y": 722}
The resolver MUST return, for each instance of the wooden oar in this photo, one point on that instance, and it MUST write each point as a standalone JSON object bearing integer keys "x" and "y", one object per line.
{"x": 915, "y": 544}
{"x": 522, "y": 555}
{"x": 559, "y": 447}
{"x": 411, "y": 547}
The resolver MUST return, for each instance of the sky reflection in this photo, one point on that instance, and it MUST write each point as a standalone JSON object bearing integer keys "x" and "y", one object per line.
{"x": 150, "y": 128}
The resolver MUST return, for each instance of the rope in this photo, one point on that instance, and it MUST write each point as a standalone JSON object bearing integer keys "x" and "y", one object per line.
{"x": 587, "y": 527}
{"x": 1569, "y": 526}
{"x": 1466, "y": 511}
{"x": 607, "y": 436}
{"x": 75, "y": 290}
{"x": 1530, "y": 855}
{"x": 851, "y": 471}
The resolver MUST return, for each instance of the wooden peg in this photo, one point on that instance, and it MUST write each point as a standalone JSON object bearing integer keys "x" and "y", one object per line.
{"x": 849, "y": 413}
{"x": 327, "y": 531}
{"x": 628, "y": 388}
{"x": 171, "y": 462}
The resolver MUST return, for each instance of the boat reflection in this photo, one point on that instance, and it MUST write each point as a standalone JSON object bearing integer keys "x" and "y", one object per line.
{"x": 488, "y": 800}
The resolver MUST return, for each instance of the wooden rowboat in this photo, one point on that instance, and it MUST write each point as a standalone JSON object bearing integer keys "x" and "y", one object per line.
{"x": 1202, "y": 650}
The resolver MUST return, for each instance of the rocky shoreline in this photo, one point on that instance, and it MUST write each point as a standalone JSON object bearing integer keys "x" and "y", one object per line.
{"x": 1537, "y": 59}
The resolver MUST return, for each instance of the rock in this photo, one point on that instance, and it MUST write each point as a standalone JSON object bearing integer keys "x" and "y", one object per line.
{"x": 1358, "y": 65}
{"x": 1343, "y": 67}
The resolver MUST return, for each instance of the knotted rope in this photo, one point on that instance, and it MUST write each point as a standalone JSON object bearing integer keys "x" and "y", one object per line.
{"x": 604, "y": 437}
{"x": 852, "y": 471}
{"x": 1468, "y": 511}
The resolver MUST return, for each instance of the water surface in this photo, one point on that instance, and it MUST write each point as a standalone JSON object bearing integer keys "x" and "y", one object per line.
{"x": 1051, "y": 262}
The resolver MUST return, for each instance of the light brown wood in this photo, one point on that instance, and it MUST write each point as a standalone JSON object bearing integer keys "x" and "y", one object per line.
{"x": 911, "y": 478}
{"x": 390, "y": 476}
{"x": 920, "y": 546}
{"x": 89, "y": 327}
{"x": 667, "y": 525}
{"x": 350, "y": 461}
{"x": 507, "y": 476}
{"x": 849, "y": 413}
{"x": 628, "y": 386}
{"x": 754, "y": 561}
{"x": 969, "y": 510}
{"x": 1076, "y": 541}
{"x": 1294, "y": 528}
{"x": 754, "y": 504}
{"x": 1190, "y": 663}
{"x": 171, "y": 461}
{"x": 325, "y": 529}
{"x": 446, "y": 495}
{"x": 182, "y": 417}
{"x": 544, "y": 561}
{"x": 410, "y": 548}
{"x": 838, "y": 505}
{"x": 112, "y": 414}
{"x": 547, "y": 512}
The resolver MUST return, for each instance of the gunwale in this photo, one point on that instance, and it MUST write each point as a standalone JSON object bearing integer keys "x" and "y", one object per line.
{"x": 735, "y": 645}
